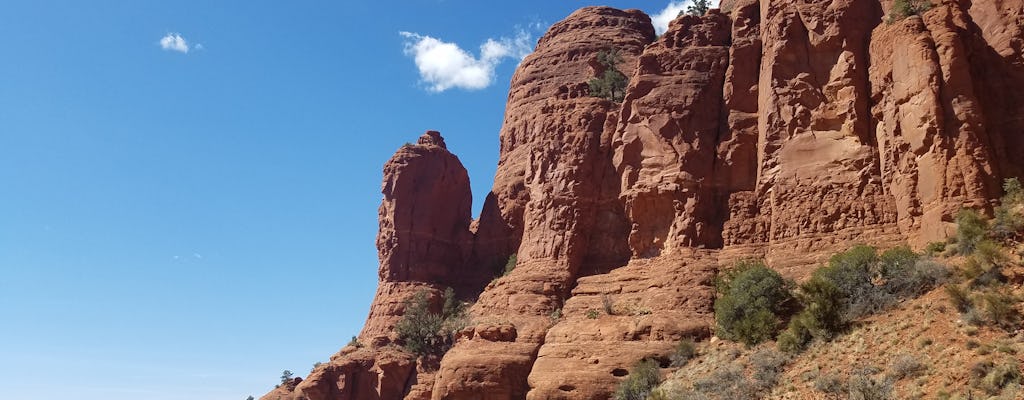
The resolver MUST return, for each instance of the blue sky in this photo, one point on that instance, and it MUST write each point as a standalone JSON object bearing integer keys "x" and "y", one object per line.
{"x": 190, "y": 188}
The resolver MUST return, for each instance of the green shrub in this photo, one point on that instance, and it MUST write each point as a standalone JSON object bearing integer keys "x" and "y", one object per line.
{"x": 725, "y": 277}
{"x": 611, "y": 84}
{"x": 642, "y": 379}
{"x": 607, "y": 304}
{"x": 355, "y": 342}
{"x": 999, "y": 308}
{"x": 509, "y": 265}
{"x": 959, "y": 297}
{"x": 592, "y": 314}
{"x": 863, "y": 386}
{"x": 1009, "y": 216}
{"x": 1001, "y": 376}
{"x": 829, "y": 384}
{"x": 684, "y": 352}
{"x": 424, "y": 332}
{"x": 935, "y": 248}
{"x": 749, "y": 310}
{"x": 970, "y": 230}
{"x": 906, "y": 365}
{"x": 767, "y": 365}
{"x": 725, "y": 382}
{"x": 906, "y": 8}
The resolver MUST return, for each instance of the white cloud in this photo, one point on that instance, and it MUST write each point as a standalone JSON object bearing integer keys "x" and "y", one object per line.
{"x": 174, "y": 42}
{"x": 443, "y": 65}
{"x": 669, "y": 13}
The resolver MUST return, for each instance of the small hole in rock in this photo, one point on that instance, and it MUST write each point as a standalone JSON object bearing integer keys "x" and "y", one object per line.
{"x": 620, "y": 372}
{"x": 567, "y": 388}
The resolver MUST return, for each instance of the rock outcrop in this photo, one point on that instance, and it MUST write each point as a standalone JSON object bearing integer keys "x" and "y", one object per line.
{"x": 780, "y": 129}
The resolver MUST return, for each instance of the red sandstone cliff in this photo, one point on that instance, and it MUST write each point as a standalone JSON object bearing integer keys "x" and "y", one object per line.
{"x": 774, "y": 128}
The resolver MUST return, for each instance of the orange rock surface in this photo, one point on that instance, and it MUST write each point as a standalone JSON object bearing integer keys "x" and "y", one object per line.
{"x": 780, "y": 129}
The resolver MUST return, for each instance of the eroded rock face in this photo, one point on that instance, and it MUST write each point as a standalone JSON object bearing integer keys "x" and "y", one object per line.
{"x": 555, "y": 193}
{"x": 780, "y": 129}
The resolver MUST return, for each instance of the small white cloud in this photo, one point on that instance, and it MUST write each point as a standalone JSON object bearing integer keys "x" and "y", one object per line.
{"x": 174, "y": 42}
{"x": 197, "y": 255}
{"x": 199, "y": 46}
{"x": 444, "y": 65}
{"x": 669, "y": 13}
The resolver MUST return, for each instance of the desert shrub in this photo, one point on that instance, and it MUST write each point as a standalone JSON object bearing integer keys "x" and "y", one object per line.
{"x": 905, "y": 365}
{"x": 510, "y": 265}
{"x": 424, "y": 332}
{"x": 852, "y": 273}
{"x": 355, "y": 342}
{"x": 684, "y": 352}
{"x": 970, "y": 230}
{"x": 725, "y": 278}
{"x": 829, "y": 383}
{"x": 1001, "y": 376}
{"x": 592, "y": 314}
{"x": 1009, "y": 217}
{"x": 642, "y": 379}
{"x": 611, "y": 84}
{"x": 906, "y": 8}
{"x": 907, "y": 275}
{"x": 864, "y": 386}
{"x": 935, "y": 248}
{"x": 749, "y": 310}
{"x": 608, "y": 304}
{"x": 726, "y": 382}
{"x": 767, "y": 366}
{"x": 999, "y": 308}
{"x": 959, "y": 297}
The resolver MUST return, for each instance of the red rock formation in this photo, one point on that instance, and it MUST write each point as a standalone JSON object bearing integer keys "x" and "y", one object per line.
{"x": 550, "y": 192}
{"x": 781, "y": 129}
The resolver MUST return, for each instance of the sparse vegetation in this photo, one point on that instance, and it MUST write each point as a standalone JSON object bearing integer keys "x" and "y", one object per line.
{"x": 685, "y": 351}
{"x": 555, "y": 315}
{"x": 994, "y": 378}
{"x": 749, "y": 309}
{"x": 593, "y": 314}
{"x": 970, "y": 230}
{"x": 767, "y": 365}
{"x": 726, "y": 382}
{"x": 509, "y": 265}
{"x": 906, "y": 365}
{"x": 354, "y": 342}
{"x": 1009, "y": 216}
{"x": 610, "y": 84}
{"x": 856, "y": 283}
{"x": 424, "y": 332}
{"x": 905, "y": 8}
{"x": 642, "y": 379}
{"x": 829, "y": 384}
{"x": 607, "y": 304}
{"x": 935, "y": 249}
{"x": 864, "y": 386}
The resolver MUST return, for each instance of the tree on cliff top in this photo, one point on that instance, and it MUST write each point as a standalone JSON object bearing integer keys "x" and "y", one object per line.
{"x": 611, "y": 85}
{"x": 699, "y": 7}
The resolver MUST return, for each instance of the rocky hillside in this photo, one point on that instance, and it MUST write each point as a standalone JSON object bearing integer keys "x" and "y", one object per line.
{"x": 785, "y": 130}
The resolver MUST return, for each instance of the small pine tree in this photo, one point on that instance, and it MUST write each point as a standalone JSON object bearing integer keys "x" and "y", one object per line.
{"x": 250, "y": 398}
{"x": 286, "y": 376}
{"x": 611, "y": 85}
{"x": 699, "y": 7}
